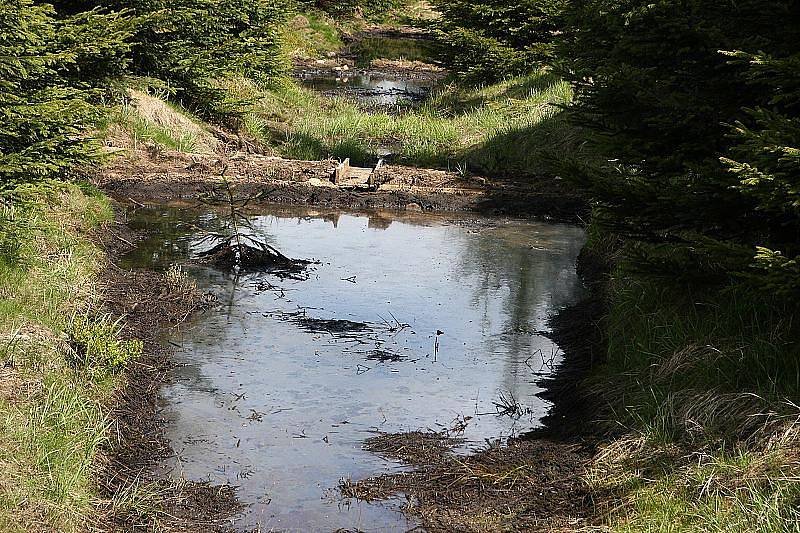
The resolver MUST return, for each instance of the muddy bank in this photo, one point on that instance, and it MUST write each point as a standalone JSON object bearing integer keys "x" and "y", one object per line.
{"x": 149, "y": 304}
{"x": 385, "y": 68}
{"x": 176, "y": 177}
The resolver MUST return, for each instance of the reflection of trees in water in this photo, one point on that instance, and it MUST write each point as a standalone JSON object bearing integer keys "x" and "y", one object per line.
{"x": 173, "y": 235}
{"x": 513, "y": 283}
{"x": 379, "y": 222}
{"x": 170, "y": 234}
{"x": 217, "y": 332}
{"x": 527, "y": 283}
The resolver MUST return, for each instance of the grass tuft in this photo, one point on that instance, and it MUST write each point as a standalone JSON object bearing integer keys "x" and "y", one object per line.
{"x": 701, "y": 391}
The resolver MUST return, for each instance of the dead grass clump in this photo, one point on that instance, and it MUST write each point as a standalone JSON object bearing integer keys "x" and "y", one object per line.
{"x": 685, "y": 359}
{"x": 11, "y": 384}
{"x": 526, "y": 486}
{"x": 746, "y": 416}
{"x": 136, "y": 294}
{"x": 417, "y": 447}
{"x": 158, "y": 112}
{"x": 649, "y": 484}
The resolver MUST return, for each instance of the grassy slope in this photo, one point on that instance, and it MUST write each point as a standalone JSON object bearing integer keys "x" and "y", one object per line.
{"x": 504, "y": 128}
{"x": 311, "y": 34}
{"x": 59, "y": 360}
{"x": 510, "y": 128}
{"x": 702, "y": 392}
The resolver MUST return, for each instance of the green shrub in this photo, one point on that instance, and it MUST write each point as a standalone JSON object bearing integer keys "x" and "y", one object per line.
{"x": 366, "y": 8}
{"x": 97, "y": 344}
{"x": 766, "y": 161}
{"x": 44, "y": 111}
{"x": 656, "y": 94}
{"x": 192, "y": 44}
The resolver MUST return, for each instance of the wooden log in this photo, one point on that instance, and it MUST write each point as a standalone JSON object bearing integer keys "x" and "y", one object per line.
{"x": 372, "y": 177}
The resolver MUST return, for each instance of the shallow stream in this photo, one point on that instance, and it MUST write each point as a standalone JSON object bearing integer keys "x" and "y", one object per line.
{"x": 371, "y": 87}
{"x": 274, "y": 398}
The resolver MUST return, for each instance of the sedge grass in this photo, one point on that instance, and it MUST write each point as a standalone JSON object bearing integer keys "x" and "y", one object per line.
{"x": 701, "y": 390}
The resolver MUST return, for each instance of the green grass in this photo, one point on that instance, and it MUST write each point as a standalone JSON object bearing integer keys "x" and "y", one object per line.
{"x": 142, "y": 131}
{"x": 711, "y": 491}
{"x": 669, "y": 346}
{"x": 60, "y": 360}
{"x": 702, "y": 389}
{"x": 508, "y": 128}
{"x": 311, "y": 34}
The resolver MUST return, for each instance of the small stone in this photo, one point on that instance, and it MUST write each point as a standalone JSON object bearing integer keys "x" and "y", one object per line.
{"x": 413, "y": 206}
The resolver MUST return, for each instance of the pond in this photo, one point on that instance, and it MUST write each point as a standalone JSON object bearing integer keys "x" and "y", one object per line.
{"x": 368, "y": 49}
{"x": 373, "y": 87}
{"x": 368, "y": 89}
{"x": 408, "y": 322}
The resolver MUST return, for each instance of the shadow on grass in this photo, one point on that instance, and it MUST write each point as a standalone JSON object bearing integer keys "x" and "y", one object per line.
{"x": 452, "y": 101}
{"x": 529, "y": 163}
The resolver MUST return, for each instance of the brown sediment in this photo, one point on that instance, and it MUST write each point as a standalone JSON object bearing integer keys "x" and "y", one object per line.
{"x": 393, "y": 32}
{"x": 397, "y": 69}
{"x": 174, "y": 177}
{"x": 150, "y": 303}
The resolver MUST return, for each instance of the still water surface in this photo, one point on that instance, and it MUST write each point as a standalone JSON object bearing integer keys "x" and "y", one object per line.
{"x": 281, "y": 411}
{"x": 370, "y": 87}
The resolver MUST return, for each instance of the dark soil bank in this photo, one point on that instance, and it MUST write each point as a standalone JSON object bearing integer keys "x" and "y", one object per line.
{"x": 150, "y": 304}
{"x": 175, "y": 177}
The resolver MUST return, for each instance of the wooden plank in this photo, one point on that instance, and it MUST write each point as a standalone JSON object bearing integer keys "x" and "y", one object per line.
{"x": 371, "y": 179}
{"x": 341, "y": 172}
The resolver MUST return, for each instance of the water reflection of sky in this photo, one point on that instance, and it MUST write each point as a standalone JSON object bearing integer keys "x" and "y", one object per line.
{"x": 282, "y": 412}
{"x": 368, "y": 89}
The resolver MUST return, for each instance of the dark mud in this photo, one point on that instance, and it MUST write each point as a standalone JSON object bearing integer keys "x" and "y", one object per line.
{"x": 150, "y": 303}
{"x": 172, "y": 177}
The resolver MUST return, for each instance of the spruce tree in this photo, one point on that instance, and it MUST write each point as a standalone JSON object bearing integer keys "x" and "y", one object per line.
{"x": 655, "y": 93}
{"x": 42, "y": 119}
{"x": 489, "y": 39}
{"x": 766, "y": 163}
{"x": 191, "y": 44}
